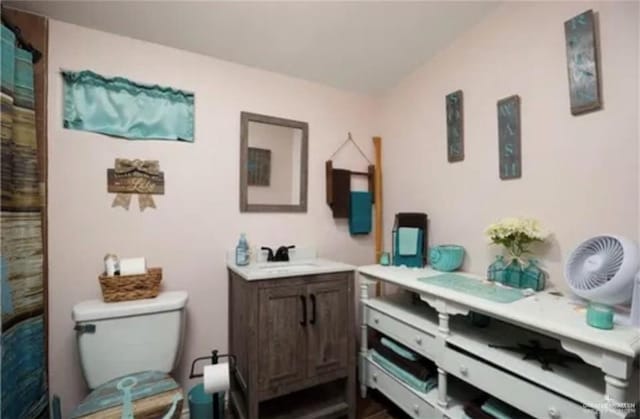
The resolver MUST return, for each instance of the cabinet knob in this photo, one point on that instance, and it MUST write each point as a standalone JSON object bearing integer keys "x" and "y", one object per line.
{"x": 416, "y": 409}
{"x": 374, "y": 377}
{"x": 418, "y": 340}
{"x": 376, "y": 320}
{"x": 553, "y": 413}
{"x": 464, "y": 370}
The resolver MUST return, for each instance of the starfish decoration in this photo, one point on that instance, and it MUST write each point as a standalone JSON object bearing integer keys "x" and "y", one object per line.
{"x": 545, "y": 356}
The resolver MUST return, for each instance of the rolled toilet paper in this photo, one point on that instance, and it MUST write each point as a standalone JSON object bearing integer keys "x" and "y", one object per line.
{"x": 133, "y": 266}
{"x": 216, "y": 378}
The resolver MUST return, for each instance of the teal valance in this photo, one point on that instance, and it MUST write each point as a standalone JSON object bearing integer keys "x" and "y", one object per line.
{"x": 122, "y": 108}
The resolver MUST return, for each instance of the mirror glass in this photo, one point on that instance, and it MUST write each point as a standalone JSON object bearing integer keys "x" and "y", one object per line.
{"x": 273, "y": 164}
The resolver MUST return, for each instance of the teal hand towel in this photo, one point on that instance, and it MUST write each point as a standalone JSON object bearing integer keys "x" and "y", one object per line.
{"x": 399, "y": 349}
{"x": 500, "y": 410}
{"x": 360, "y": 213}
{"x": 413, "y": 382}
{"x": 408, "y": 241}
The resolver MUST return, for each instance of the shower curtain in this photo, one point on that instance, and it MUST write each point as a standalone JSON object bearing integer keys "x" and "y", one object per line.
{"x": 23, "y": 385}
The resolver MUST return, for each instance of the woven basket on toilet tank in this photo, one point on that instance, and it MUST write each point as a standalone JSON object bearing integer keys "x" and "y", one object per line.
{"x": 131, "y": 287}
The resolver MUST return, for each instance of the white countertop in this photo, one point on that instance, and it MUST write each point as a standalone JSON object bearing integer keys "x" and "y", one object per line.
{"x": 299, "y": 267}
{"x": 542, "y": 311}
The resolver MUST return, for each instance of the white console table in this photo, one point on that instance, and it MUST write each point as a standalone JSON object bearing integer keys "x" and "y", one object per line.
{"x": 605, "y": 386}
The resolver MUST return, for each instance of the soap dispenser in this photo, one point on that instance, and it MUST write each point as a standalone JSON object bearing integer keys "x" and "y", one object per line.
{"x": 242, "y": 251}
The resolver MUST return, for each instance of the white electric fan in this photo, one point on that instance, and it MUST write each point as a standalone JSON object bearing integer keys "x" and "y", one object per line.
{"x": 604, "y": 269}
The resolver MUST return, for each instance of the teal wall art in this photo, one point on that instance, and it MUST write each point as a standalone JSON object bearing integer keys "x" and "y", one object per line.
{"x": 582, "y": 63}
{"x": 509, "y": 137}
{"x": 455, "y": 127}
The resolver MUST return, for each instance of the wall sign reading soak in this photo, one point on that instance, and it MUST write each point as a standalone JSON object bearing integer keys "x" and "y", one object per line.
{"x": 130, "y": 177}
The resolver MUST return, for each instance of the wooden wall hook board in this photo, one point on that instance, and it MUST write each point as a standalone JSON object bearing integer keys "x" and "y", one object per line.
{"x": 370, "y": 174}
{"x": 328, "y": 165}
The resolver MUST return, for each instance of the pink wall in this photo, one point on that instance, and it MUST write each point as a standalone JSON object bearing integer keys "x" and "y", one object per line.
{"x": 580, "y": 174}
{"x": 198, "y": 217}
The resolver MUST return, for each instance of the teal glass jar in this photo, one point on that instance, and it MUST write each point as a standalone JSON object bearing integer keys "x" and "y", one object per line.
{"x": 496, "y": 271}
{"x": 513, "y": 274}
{"x": 533, "y": 277}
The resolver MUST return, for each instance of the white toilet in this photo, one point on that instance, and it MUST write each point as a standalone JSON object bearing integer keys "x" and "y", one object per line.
{"x": 115, "y": 339}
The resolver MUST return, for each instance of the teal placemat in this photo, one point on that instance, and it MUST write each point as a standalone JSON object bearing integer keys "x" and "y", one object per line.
{"x": 475, "y": 287}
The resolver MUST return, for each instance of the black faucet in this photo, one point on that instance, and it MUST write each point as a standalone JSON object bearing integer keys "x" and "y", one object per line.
{"x": 282, "y": 254}
{"x": 269, "y": 254}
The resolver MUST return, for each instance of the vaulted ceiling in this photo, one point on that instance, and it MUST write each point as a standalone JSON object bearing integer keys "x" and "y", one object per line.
{"x": 365, "y": 47}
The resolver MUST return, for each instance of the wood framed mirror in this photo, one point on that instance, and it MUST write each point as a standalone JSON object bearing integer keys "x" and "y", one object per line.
{"x": 273, "y": 164}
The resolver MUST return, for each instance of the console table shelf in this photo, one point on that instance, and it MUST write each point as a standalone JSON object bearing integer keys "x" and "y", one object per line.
{"x": 605, "y": 385}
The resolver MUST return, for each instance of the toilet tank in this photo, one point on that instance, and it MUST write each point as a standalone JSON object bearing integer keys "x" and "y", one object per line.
{"x": 115, "y": 339}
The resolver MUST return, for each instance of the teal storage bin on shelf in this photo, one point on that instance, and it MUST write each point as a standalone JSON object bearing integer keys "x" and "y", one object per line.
{"x": 446, "y": 258}
{"x": 201, "y": 403}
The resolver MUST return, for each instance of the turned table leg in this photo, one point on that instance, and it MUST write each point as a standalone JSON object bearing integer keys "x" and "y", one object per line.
{"x": 364, "y": 296}
{"x": 616, "y": 389}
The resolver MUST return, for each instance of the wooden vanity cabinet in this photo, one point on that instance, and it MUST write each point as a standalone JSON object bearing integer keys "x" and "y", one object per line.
{"x": 294, "y": 341}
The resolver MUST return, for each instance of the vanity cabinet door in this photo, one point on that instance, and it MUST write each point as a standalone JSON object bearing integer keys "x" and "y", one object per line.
{"x": 329, "y": 327}
{"x": 282, "y": 337}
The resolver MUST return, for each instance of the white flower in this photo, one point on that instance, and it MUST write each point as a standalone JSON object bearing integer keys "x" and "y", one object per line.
{"x": 525, "y": 228}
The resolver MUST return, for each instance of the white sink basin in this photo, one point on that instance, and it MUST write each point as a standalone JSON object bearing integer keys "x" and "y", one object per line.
{"x": 295, "y": 268}
{"x": 286, "y": 267}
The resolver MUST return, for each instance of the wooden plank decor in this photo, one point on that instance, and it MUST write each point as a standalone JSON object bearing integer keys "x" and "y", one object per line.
{"x": 377, "y": 146}
{"x": 259, "y": 167}
{"x": 509, "y": 137}
{"x": 455, "y": 127}
{"x": 328, "y": 169}
{"x": 582, "y": 63}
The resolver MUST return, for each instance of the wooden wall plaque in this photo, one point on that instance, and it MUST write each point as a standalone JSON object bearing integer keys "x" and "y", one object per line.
{"x": 582, "y": 63}
{"x": 455, "y": 127}
{"x": 509, "y": 144}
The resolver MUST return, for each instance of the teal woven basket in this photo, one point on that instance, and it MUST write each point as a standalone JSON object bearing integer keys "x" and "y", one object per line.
{"x": 446, "y": 258}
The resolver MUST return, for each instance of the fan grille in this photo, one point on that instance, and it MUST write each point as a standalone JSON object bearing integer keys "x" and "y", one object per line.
{"x": 595, "y": 262}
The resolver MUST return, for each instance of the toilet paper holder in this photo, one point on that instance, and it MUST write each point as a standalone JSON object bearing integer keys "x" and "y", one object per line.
{"x": 214, "y": 358}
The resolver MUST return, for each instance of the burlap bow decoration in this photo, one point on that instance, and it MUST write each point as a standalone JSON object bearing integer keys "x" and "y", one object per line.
{"x": 130, "y": 177}
{"x": 150, "y": 167}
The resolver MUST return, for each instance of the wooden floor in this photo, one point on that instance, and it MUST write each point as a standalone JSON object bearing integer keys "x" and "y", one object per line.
{"x": 376, "y": 406}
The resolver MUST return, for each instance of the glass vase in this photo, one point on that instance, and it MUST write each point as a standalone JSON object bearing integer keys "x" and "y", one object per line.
{"x": 513, "y": 274}
{"x": 533, "y": 277}
{"x": 496, "y": 271}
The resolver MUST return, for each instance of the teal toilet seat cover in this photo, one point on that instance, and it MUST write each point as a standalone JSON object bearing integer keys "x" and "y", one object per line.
{"x": 128, "y": 388}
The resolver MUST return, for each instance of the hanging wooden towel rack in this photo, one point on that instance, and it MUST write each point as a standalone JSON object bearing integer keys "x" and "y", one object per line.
{"x": 370, "y": 173}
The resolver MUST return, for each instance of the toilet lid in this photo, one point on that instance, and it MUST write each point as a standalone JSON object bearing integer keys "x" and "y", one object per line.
{"x": 97, "y": 309}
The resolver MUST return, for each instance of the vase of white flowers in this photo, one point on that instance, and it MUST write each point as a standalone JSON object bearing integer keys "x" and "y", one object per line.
{"x": 515, "y": 235}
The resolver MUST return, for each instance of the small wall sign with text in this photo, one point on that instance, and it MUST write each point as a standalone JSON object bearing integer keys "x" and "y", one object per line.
{"x": 259, "y": 167}
{"x": 455, "y": 127}
{"x": 509, "y": 137}
{"x": 130, "y": 177}
{"x": 582, "y": 63}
